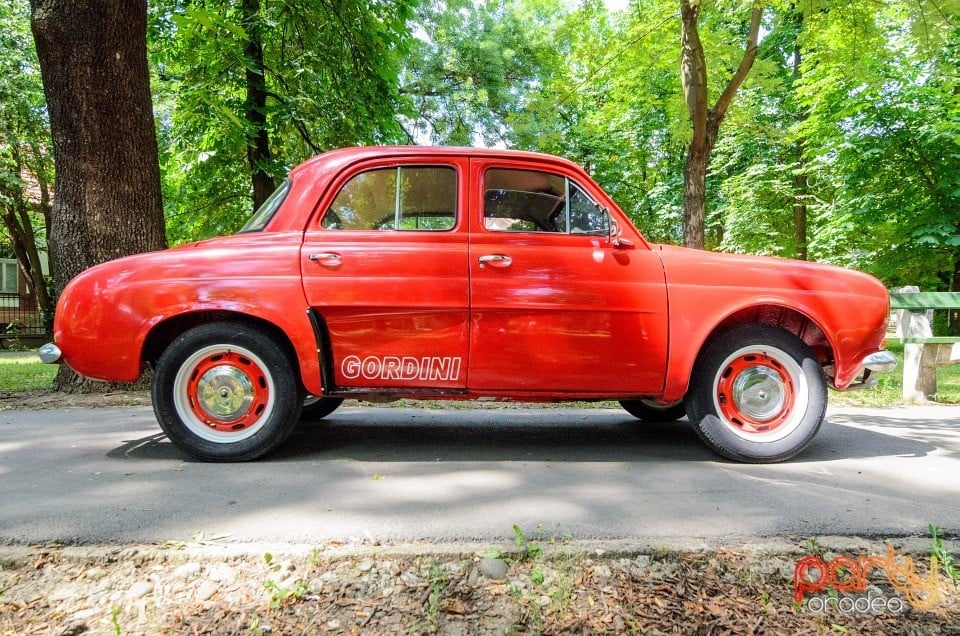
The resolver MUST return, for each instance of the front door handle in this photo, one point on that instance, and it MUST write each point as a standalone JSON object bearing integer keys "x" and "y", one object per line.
{"x": 330, "y": 259}
{"x": 495, "y": 260}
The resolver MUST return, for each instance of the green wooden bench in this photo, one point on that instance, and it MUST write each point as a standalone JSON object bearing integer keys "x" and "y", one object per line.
{"x": 923, "y": 352}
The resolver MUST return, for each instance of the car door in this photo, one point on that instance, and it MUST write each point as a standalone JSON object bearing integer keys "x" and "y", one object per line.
{"x": 384, "y": 266}
{"x": 555, "y": 307}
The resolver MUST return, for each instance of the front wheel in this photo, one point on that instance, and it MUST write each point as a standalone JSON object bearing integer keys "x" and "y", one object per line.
{"x": 226, "y": 392}
{"x": 757, "y": 394}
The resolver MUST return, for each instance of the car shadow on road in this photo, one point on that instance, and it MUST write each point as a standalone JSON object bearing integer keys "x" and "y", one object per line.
{"x": 155, "y": 446}
{"x": 549, "y": 435}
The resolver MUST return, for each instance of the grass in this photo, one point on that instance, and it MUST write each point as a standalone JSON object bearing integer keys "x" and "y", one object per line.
{"x": 24, "y": 372}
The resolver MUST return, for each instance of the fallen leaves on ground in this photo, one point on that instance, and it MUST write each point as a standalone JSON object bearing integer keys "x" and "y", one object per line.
{"x": 155, "y": 591}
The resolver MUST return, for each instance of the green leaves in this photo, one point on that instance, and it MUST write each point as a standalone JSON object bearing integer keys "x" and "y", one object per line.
{"x": 330, "y": 73}
{"x": 849, "y": 120}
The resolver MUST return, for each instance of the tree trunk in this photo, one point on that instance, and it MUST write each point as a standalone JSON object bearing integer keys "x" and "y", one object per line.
{"x": 40, "y": 167}
{"x": 706, "y": 122}
{"x": 801, "y": 187}
{"x": 106, "y": 204}
{"x": 258, "y": 139}
{"x": 695, "y": 196}
{"x": 693, "y": 74}
{"x": 800, "y": 190}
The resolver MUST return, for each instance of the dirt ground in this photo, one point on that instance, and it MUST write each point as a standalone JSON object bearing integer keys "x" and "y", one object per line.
{"x": 45, "y": 399}
{"x": 206, "y": 586}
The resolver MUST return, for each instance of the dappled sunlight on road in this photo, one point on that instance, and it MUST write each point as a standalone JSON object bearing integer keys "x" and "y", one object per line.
{"x": 407, "y": 474}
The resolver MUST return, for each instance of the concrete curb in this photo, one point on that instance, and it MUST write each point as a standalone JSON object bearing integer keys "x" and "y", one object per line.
{"x": 14, "y": 556}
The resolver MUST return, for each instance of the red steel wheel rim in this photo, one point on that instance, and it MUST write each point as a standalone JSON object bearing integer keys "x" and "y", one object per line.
{"x": 228, "y": 391}
{"x": 755, "y": 393}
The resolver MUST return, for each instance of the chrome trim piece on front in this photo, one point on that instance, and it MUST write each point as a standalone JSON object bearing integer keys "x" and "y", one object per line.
{"x": 880, "y": 362}
{"x": 49, "y": 353}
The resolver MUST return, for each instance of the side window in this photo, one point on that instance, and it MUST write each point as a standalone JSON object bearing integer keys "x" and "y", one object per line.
{"x": 402, "y": 198}
{"x": 586, "y": 216}
{"x": 524, "y": 201}
{"x": 533, "y": 201}
{"x": 428, "y": 199}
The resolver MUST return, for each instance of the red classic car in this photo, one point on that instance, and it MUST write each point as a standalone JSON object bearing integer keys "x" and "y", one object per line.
{"x": 414, "y": 272}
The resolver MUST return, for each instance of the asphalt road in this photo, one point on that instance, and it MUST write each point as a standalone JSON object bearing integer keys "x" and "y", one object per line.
{"x": 403, "y": 474}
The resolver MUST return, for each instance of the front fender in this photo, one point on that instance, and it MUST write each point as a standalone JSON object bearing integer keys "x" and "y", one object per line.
{"x": 848, "y": 307}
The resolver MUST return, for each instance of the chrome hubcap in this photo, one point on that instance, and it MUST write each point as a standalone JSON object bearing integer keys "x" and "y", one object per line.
{"x": 759, "y": 393}
{"x": 225, "y": 393}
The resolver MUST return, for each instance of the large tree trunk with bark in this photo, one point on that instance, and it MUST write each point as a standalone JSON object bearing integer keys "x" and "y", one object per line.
{"x": 258, "y": 139}
{"x": 107, "y": 202}
{"x": 705, "y": 120}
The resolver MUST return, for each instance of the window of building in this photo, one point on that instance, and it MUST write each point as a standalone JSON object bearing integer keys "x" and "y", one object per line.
{"x": 9, "y": 276}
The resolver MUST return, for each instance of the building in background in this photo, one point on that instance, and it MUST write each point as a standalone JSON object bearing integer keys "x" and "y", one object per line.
{"x": 20, "y": 317}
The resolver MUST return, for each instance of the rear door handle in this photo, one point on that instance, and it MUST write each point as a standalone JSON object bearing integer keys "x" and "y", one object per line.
{"x": 330, "y": 259}
{"x": 495, "y": 260}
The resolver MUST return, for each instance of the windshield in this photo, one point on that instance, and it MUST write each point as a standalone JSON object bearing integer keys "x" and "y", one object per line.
{"x": 262, "y": 216}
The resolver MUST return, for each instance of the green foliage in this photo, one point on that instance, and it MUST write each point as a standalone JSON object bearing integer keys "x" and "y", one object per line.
{"x": 536, "y": 576}
{"x": 280, "y": 595}
{"x": 115, "y": 614}
{"x": 882, "y": 141}
{"x": 526, "y": 550}
{"x": 612, "y": 103}
{"x": 849, "y": 119}
{"x": 473, "y": 66}
{"x": 26, "y": 163}
{"x": 330, "y": 71}
{"x": 951, "y": 568}
{"x": 437, "y": 578}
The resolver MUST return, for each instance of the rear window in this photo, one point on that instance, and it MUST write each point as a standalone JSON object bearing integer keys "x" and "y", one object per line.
{"x": 263, "y": 215}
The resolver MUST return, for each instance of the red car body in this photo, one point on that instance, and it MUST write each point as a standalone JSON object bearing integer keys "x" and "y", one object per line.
{"x": 473, "y": 310}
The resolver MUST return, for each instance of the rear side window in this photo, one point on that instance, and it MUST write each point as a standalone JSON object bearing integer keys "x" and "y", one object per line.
{"x": 404, "y": 198}
{"x": 266, "y": 211}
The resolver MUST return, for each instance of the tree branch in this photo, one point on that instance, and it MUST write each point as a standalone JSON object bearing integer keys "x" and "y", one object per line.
{"x": 749, "y": 55}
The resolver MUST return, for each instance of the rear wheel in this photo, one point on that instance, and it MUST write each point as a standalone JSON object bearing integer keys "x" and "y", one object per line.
{"x": 651, "y": 411}
{"x": 317, "y": 408}
{"x": 226, "y": 392}
{"x": 757, "y": 394}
